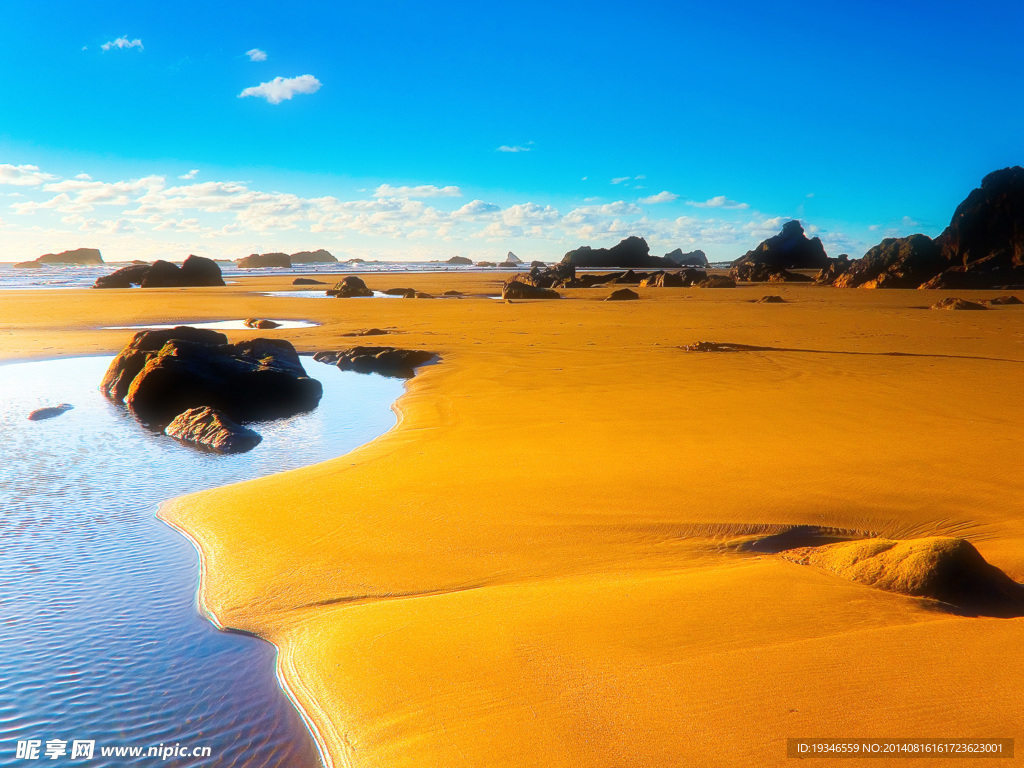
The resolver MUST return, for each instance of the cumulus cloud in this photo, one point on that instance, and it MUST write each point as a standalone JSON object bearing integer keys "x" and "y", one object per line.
{"x": 721, "y": 201}
{"x": 514, "y": 148}
{"x": 423, "y": 190}
{"x": 621, "y": 179}
{"x": 190, "y": 175}
{"x": 23, "y": 175}
{"x": 121, "y": 43}
{"x": 282, "y": 88}
{"x": 662, "y": 197}
{"x": 256, "y": 55}
{"x": 476, "y": 208}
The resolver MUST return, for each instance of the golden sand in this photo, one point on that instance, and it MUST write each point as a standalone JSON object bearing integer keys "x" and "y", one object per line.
{"x": 537, "y": 567}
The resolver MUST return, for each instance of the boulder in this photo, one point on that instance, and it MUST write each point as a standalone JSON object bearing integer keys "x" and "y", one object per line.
{"x": 770, "y": 300}
{"x": 517, "y": 289}
{"x": 349, "y": 287}
{"x": 462, "y": 260}
{"x": 790, "y": 249}
{"x": 319, "y": 256}
{"x": 692, "y": 259}
{"x": 125, "y": 277}
{"x": 537, "y": 265}
{"x": 408, "y": 293}
{"x": 486, "y": 264}
{"x": 78, "y": 256}
{"x": 452, "y": 293}
{"x": 387, "y": 361}
{"x": 545, "y": 277}
{"x": 262, "y": 325}
{"x": 623, "y": 294}
{"x": 717, "y": 281}
{"x": 196, "y": 271}
{"x": 999, "y": 301}
{"x": 307, "y": 281}
{"x": 212, "y": 430}
{"x": 199, "y": 271}
{"x": 265, "y": 261}
{"x": 896, "y": 262}
{"x": 956, "y": 304}
{"x": 39, "y": 414}
{"x": 633, "y": 252}
{"x": 367, "y": 332}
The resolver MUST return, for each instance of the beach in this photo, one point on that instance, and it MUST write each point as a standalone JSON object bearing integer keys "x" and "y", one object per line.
{"x": 547, "y": 561}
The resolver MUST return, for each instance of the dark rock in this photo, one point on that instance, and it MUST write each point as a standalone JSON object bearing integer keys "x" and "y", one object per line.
{"x": 408, "y": 293}
{"x": 452, "y": 293}
{"x": 693, "y": 259}
{"x": 349, "y": 287}
{"x": 633, "y": 252}
{"x": 903, "y": 262}
{"x": 265, "y": 261}
{"x": 1002, "y": 301}
{"x": 988, "y": 224}
{"x": 198, "y": 271}
{"x": 459, "y": 260}
{"x": 770, "y": 300}
{"x": 835, "y": 267}
{"x": 251, "y": 380}
{"x": 367, "y": 332}
{"x": 785, "y": 276}
{"x": 537, "y": 265}
{"x": 423, "y": 295}
{"x": 212, "y": 430}
{"x": 125, "y": 277}
{"x": 956, "y": 304}
{"x": 387, "y": 361}
{"x": 262, "y": 325}
{"x": 790, "y": 249}
{"x": 717, "y": 281}
{"x": 623, "y": 294}
{"x": 307, "y": 281}
{"x": 517, "y": 289}
{"x": 50, "y": 412}
{"x": 546, "y": 277}
{"x": 79, "y": 256}
{"x": 313, "y": 257}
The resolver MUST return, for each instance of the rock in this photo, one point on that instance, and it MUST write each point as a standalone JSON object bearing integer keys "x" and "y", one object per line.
{"x": 1002, "y": 301}
{"x": 367, "y": 332}
{"x": 693, "y": 259}
{"x": 349, "y": 287}
{"x": 265, "y": 261}
{"x": 546, "y": 277}
{"x": 956, "y": 304}
{"x": 790, "y": 249}
{"x": 212, "y": 430}
{"x": 28, "y": 265}
{"x": 633, "y": 252}
{"x": 459, "y": 260}
{"x": 785, "y": 276}
{"x": 144, "y": 345}
{"x": 79, "y": 256}
{"x": 262, "y": 325}
{"x": 387, "y": 361}
{"x": 50, "y": 412}
{"x": 319, "y": 256}
{"x": 903, "y": 262}
{"x": 198, "y": 271}
{"x": 408, "y": 293}
{"x": 947, "y": 569}
{"x": 250, "y": 380}
{"x": 307, "y": 281}
{"x": 989, "y": 224}
{"x": 835, "y": 267}
{"x": 356, "y": 261}
{"x": 623, "y": 294}
{"x": 125, "y": 277}
{"x": 537, "y": 265}
{"x": 512, "y": 259}
{"x": 452, "y": 293}
{"x": 717, "y": 281}
{"x": 770, "y": 300}
{"x": 711, "y": 346}
{"x": 486, "y": 264}
{"x": 517, "y": 289}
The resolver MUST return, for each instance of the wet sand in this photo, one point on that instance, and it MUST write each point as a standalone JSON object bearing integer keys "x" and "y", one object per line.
{"x": 540, "y": 564}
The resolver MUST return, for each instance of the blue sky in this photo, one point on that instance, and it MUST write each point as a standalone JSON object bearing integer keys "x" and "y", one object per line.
{"x": 697, "y": 125}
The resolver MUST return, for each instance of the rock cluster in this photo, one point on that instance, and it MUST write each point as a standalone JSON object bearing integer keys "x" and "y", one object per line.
{"x": 632, "y": 253}
{"x": 790, "y": 249}
{"x": 518, "y": 288}
{"x": 278, "y": 260}
{"x": 195, "y": 271}
{"x": 387, "y": 361}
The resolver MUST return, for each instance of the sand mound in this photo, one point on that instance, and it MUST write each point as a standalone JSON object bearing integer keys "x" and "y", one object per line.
{"x": 947, "y": 569}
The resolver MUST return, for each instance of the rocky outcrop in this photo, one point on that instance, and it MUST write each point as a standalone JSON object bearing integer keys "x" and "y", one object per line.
{"x": 407, "y": 293}
{"x": 623, "y": 294}
{"x": 790, "y": 249}
{"x": 692, "y": 259}
{"x": 512, "y": 259}
{"x": 461, "y": 260}
{"x": 350, "y": 287}
{"x": 40, "y": 414}
{"x": 486, "y": 264}
{"x": 521, "y": 289}
{"x": 896, "y": 262}
{"x": 717, "y": 281}
{"x": 543, "y": 276}
{"x": 307, "y": 281}
{"x": 194, "y": 272}
{"x": 537, "y": 264}
{"x": 319, "y": 256}
{"x": 125, "y": 277}
{"x": 212, "y": 430}
{"x": 387, "y": 361}
{"x": 261, "y": 324}
{"x": 265, "y": 261}
{"x": 832, "y": 271}
{"x": 79, "y": 257}
{"x": 162, "y": 373}
{"x": 954, "y": 303}
{"x": 1000, "y": 301}
{"x": 785, "y": 276}
{"x": 632, "y": 253}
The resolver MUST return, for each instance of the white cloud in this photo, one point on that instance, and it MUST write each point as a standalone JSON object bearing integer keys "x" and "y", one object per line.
{"x": 423, "y": 190}
{"x": 190, "y": 175}
{"x": 23, "y": 175}
{"x": 475, "y": 208}
{"x": 721, "y": 201}
{"x": 621, "y": 179}
{"x": 282, "y": 88}
{"x": 256, "y": 55}
{"x": 122, "y": 42}
{"x": 906, "y": 221}
{"x": 662, "y": 197}
{"x": 810, "y": 194}
{"x": 641, "y": 177}
{"x": 83, "y": 177}
{"x": 514, "y": 148}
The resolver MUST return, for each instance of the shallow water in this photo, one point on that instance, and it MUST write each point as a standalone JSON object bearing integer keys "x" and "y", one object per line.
{"x": 321, "y": 293}
{"x": 100, "y": 634}
{"x": 224, "y": 325}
